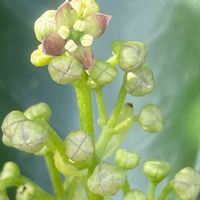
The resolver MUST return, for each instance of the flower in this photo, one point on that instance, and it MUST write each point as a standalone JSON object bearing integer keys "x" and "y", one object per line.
{"x": 69, "y": 31}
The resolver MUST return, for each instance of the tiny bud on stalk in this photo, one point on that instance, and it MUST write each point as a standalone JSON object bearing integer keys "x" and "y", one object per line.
{"x": 156, "y": 170}
{"x": 150, "y": 118}
{"x": 79, "y": 148}
{"x": 106, "y": 180}
{"x": 126, "y": 160}
{"x": 186, "y": 183}
{"x": 10, "y": 170}
{"x": 135, "y": 195}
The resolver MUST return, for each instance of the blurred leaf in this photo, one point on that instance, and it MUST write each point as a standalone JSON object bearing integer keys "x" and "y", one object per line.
{"x": 172, "y": 32}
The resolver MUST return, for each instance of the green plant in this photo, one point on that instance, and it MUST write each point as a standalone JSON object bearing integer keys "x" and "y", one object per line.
{"x": 80, "y": 158}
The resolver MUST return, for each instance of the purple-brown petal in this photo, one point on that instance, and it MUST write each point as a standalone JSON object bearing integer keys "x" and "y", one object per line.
{"x": 96, "y": 24}
{"x": 53, "y": 45}
{"x": 66, "y": 15}
{"x": 85, "y": 56}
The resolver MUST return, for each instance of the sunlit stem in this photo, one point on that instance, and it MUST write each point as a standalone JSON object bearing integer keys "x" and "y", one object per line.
{"x": 101, "y": 106}
{"x": 152, "y": 190}
{"x": 55, "y": 176}
{"x": 166, "y": 191}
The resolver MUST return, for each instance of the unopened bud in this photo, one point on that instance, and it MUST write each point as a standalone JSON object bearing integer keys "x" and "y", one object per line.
{"x": 150, "y": 118}
{"x": 10, "y": 170}
{"x": 156, "y": 170}
{"x": 23, "y": 134}
{"x": 45, "y": 24}
{"x": 39, "y": 59}
{"x": 140, "y": 82}
{"x": 186, "y": 183}
{"x": 65, "y": 69}
{"x": 26, "y": 192}
{"x": 38, "y": 111}
{"x": 126, "y": 160}
{"x": 135, "y": 195}
{"x": 79, "y": 148}
{"x": 106, "y": 180}
{"x": 102, "y": 73}
{"x": 132, "y": 55}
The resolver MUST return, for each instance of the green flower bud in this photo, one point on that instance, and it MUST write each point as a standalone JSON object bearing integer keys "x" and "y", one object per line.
{"x": 23, "y": 134}
{"x": 126, "y": 160}
{"x": 186, "y": 183}
{"x": 45, "y": 24}
{"x": 132, "y": 55}
{"x": 156, "y": 170}
{"x": 135, "y": 195}
{"x": 39, "y": 59}
{"x": 106, "y": 180}
{"x": 102, "y": 73}
{"x": 39, "y": 111}
{"x": 150, "y": 118}
{"x": 79, "y": 148}
{"x": 26, "y": 192}
{"x": 65, "y": 69}
{"x": 117, "y": 46}
{"x": 140, "y": 82}
{"x": 10, "y": 170}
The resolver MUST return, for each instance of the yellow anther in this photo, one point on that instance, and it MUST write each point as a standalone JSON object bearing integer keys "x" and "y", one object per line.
{"x": 87, "y": 40}
{"x": 71, "y": 46}
{"x": 64, "y": 32}
{"x": 79, "y": 25}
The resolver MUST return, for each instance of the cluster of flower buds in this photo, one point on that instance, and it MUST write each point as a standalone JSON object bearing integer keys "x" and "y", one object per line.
{"x": 25, "y": 131}
{"x": 131, "y": 57}
{"x": 67, "y": 35}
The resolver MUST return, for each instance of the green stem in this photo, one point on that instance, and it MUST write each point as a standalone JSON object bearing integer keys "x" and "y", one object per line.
{"x": 17, "y": 181}
{"x": 54, "y": 174}
{"x": 125, "y": 124}
{"x": 126, "y": 188}
{"x": 165, "y": 192}
{"x": 107, "y": 133}
{"x": 152, "y": 190}
{"x": 101, "y": 106}
{"x": 83, "y": 94}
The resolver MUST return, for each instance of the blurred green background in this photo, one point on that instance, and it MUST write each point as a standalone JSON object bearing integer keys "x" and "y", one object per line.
{"x": 171, "y": 30}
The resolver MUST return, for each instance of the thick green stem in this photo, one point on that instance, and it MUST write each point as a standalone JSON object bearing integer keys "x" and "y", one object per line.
{"x": 101, "y": 106}
{"x": 152, "y": 190}
{"x": 83, "y": 94}
{"x": 165, "y": 192}
{"x": 17, "y": 181}
{"x": 107, "y": 133}
{"x": 55, "y": 176}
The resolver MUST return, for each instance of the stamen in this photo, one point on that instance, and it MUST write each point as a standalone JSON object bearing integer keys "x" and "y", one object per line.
{"x": 79, "y": 25}
{"x": 64, "y": 32}
{"x": 87, "y": 40}
{"x": 71, "y": 46}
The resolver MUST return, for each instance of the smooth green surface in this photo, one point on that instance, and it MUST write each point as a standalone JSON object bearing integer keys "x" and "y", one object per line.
{"x": 171, "y": 31}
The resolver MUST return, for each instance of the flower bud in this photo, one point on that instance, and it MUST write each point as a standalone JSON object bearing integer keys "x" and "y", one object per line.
{"x": 26, "y": 192}
{"x": 126, "y": 160}
{"x": 140, "y": 82}
{"x": 79, "y": 148}
{"x": 40, "y": 111}
{"x": 135, "y": 195}
{"x": 117, "y": 46}
{"x": 106, "y": 180}
{"x": 150, "y": 118}
{"x": 102, "y": 73}
{"x": 132, "y": 55}
{"x": 39, "y": 59}
{"x": 186, "y": 183}
{"x": 45, "y": 24}
{"x": 65, "y": 69}
{"x": 23, "y": 134}
{"x": 156, "y": 170}
{"x": 10, "y": 170}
